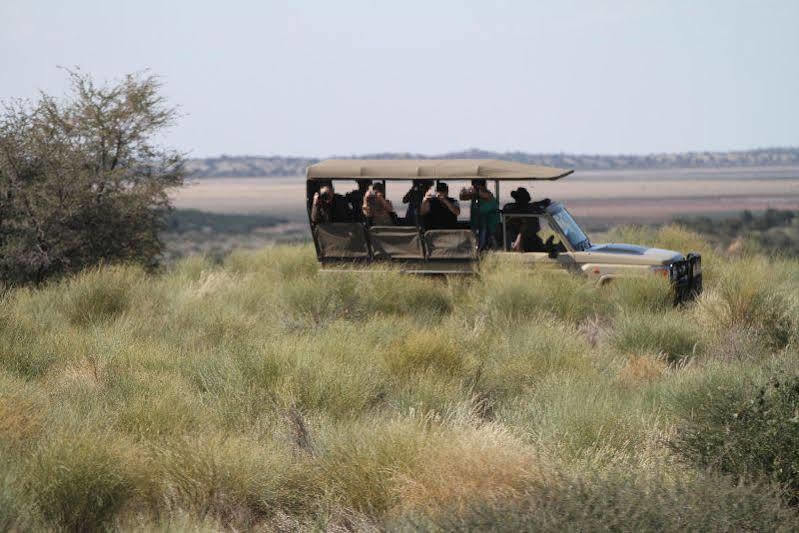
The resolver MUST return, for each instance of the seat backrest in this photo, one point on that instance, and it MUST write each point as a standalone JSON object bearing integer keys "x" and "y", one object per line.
{"x": 396, "y": 242}
{"x": 341, "y": 240}
{"x": 450, "y": 244}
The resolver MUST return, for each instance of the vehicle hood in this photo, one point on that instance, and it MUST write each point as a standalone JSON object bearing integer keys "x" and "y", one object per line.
{"x": 631, "y": 253}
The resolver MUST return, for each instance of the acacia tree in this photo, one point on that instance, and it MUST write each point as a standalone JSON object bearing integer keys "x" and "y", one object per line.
{"x": 82, "y": 179}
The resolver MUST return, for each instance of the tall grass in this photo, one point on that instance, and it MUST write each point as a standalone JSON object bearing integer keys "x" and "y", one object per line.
{"x": 261, "y": 393}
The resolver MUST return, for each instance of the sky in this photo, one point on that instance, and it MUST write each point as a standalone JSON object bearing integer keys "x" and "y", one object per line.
{"x": 322, "y": 78}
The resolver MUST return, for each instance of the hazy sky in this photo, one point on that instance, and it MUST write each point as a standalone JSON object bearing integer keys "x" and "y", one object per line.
{"x": 340, "y": 77}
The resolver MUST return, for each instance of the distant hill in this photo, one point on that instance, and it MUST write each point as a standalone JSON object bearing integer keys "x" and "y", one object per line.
{"x": 252, "y": 166}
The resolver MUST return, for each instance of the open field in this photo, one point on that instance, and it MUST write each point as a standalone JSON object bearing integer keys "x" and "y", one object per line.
{"x": 261, "y": 394}
{"x": 601, "y": 197}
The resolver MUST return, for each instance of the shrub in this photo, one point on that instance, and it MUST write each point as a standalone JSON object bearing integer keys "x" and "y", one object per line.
{"x": 507, "y": 294}
{"x": 285, "y": 263}
{"x": 750, "y": 295}
{"x": 235, "y": 480}
{"x": 674, "y": 334}
{"x": 362, "y": 458}
{"x": 511, "y": 362}
{"x": 582, "y": 415}
{"x": 399, "y": 294}
{"x": 82, "y": 181}
{"x": 77, "y": 482}
{"x": 650, "y": 294}
{"x": 641, "y": 369}
{"x": 485, "y": 465}
{"x": 424, "y": 350}
{"x": 16, "y": 513}
{"x": 100, "y": 294}
{"x": 748, "y": 432}
{"x": 620, "y": 502}
{"x": 27, "y": 347}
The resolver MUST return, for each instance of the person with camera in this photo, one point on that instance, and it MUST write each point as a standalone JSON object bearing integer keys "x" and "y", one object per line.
{"x": 484, "y": 213}
{"x": 414, "y": 198}
{"x": 439, "y": 211}
{"x": 378, "y": 209}
{"x": 355, "y": 199}
{"x": 328, "y": 206}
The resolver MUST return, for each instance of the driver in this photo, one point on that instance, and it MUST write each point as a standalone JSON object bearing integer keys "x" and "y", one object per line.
{"x": 528, "y": 239}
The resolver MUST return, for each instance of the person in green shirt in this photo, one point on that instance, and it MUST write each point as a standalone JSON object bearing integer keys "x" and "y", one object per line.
{"x": 484, "y": 213}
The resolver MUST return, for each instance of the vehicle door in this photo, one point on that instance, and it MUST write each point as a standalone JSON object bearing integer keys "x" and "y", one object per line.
{"x": 550, "y": 250}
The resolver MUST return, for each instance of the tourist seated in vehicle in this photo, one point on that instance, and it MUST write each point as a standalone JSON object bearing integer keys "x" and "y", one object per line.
{"x": 355, "y": 199}
{"x": 328, "y": 206}
{"x": 527, "y": 239}
{"x": 438, "y": 210}
{"x": 522, "y": 204}
{"x": 377, "y": 208}
{"x": 484, "y": 213}
{"x": 414, "y": 198}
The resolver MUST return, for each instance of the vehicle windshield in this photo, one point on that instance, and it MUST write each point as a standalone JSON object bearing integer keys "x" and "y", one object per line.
{"x": 571, "y": 230}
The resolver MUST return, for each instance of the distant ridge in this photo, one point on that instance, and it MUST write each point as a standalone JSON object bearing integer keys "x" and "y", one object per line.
{"x": 254, "y": 166}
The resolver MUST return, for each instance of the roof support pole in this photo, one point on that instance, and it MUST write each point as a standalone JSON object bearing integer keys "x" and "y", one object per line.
{"x": 504, "y": 233}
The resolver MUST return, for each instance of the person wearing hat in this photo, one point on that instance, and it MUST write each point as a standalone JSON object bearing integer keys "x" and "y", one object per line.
{"x": 522, "y": 232}
{"x": 438, "y": 210}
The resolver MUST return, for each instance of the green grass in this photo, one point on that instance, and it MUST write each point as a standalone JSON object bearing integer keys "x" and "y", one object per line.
{"x": 259, "y": 393}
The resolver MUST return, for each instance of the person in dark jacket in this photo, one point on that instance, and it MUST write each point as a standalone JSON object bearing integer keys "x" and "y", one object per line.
{"x": 414, "y": 198}
{"x": 438, "y": 210}
{"x": 355, "y": 199}
{"x": 328, "y": 206}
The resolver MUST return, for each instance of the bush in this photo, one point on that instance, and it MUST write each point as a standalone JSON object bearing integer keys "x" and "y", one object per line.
{"x": 650, "y": 294}
{"x": 100, "y": 294}
{"x": 620, "y": 502}
{"x": 234, "y": 480}
{"x": 750, "y": 295}
{"x": 424, "y": 350}
{"x": 673, "y": 334}
{"x": 748, "y": 432}
{"x": 81, "y": 181}
{"x": 508, "y": 293}
{"x": 77, "y": 483}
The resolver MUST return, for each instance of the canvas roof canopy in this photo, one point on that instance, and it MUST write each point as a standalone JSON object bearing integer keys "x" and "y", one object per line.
{"x": 403, "y": 169}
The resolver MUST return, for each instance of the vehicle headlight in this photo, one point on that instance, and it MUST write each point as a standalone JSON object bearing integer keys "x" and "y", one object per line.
{"x": 662, "y": 271}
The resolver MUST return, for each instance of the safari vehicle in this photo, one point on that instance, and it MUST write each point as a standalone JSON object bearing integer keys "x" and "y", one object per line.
{"x": 352, "y": 244}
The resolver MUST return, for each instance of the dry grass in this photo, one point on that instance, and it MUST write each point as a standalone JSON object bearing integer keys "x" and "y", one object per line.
{"x": 259, "y": 394}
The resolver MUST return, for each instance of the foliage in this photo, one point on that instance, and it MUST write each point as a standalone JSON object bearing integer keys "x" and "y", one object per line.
{"x": 620, "y": 502}
{"x": 185, "y": 220}
{"x": 747, "y": 431}
{"x": 773, "y": 231}
{"x": 260, "y": 393}
{"x": 82, "y": 181}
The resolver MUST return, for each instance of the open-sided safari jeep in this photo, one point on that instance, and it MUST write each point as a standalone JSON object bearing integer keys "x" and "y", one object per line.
{"x": 354, "y": 243}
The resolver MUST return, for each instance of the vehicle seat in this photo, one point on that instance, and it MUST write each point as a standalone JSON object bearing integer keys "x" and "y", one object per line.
{"x": 396, "y": 242}
{"x": 341, "y": 240}
{"x": 450, "y": 244}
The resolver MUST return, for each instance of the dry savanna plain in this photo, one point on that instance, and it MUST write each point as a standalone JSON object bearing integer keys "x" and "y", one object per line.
{"x": 603, "y": 198}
